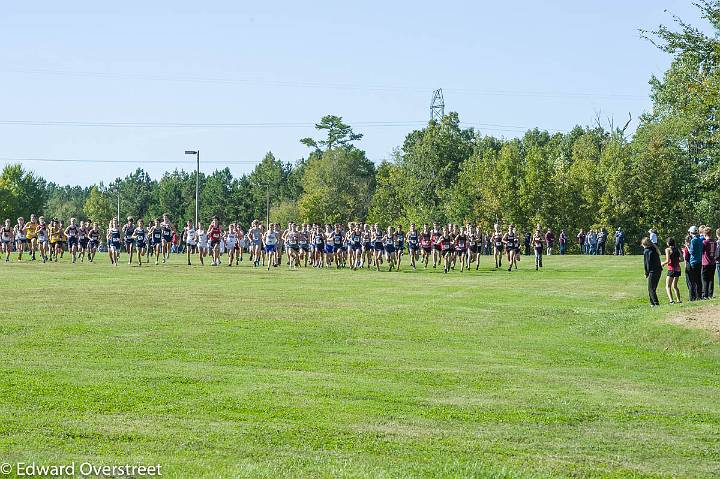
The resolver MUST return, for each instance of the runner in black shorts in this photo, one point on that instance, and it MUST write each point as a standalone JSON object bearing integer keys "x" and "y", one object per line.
{"x": 128, "y": 231}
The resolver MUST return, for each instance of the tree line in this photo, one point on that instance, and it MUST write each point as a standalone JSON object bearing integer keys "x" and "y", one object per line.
{"x": 666, "y": 176}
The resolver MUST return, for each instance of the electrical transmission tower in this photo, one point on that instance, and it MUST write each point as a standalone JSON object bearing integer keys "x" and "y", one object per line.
{"x": 437, "y": 107}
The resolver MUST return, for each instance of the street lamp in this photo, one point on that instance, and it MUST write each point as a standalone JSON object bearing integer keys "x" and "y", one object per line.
{"x": 267, "y": 202}
{"x": 197, "y": 182}
{"x": 267, "y": 207}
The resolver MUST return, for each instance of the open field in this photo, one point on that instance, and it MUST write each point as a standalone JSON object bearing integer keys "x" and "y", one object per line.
{"x": 235, "y": 372}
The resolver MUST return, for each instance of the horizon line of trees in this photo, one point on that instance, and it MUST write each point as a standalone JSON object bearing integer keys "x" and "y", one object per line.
{"x": 667, "y": 176}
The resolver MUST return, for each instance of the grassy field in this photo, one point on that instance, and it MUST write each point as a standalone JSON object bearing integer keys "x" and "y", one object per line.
{"x": 236, "y": 372}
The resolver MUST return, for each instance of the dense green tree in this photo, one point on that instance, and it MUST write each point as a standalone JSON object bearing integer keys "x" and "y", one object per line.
{"x": 429, "y": 163}
{"x": 285, "y": 212}
{"x": 536, "y": 190}
{"x": 174, "y": 195}
{"x": 240, "y": 203}
{"x": 685, "y": 105}
{"x": 337, "y": 186}
{"x": 386, "y": 204}
{"x": 136, "y": 194}
{"x": 273, "y": 176}
{"x": 65, "y": 202}
{"x": 661, "y": 195}
{"x": 99, "y": 206}
{"x": 21, "y": 192}
{"x": 217, "y": 190}
{"x": 688, "y": 94}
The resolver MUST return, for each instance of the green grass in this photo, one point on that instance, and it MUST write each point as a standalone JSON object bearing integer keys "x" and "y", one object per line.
{"x": 235, "y": 372}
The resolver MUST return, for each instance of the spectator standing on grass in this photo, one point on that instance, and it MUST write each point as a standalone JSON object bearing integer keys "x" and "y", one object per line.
{"x": 602, "y": 240}
{"x": 619, "y": 242}
{"x": 694, "y": 267}
{"x": 549, "y": 241}
{"x": 686, "y": 257}
{"x": 581, "y": 236}
{"x": 653, "y": 236}
{"x": 672, "y": 260}
{"x": 717, "y": 253}
{"x": 587, "y": 242}
{"x": 653, "y": 269}
{"x": 708, "y": 264}
{"x": 593, "y": 241}
{"x": 562, "y": 241}
{"x": 527, "y": 243}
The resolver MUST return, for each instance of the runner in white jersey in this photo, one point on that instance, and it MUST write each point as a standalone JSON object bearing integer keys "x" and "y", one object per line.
{"x": 43, "y": 236}
{"x": 255, "y": 234}
{"x": 242, "y": 243}
{"x": 231, "y": 240}
{"x": 202, "y": 242}
{"x": 7, "y": 237}
{"x": 20, "y": 234}
{"x": 271, "y": 240}
{"x": 190, "y": 237}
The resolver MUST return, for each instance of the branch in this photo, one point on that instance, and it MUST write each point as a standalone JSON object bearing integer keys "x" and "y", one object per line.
{"x": 626, "y": 124}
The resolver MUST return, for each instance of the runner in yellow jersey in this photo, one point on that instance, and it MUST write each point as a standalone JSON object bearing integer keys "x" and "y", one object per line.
{"x": 63, "y": 239}
{"x": 55, "y": 238}
{"x": 31, "y": 231}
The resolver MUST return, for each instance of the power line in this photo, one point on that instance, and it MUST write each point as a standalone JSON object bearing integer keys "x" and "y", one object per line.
{"x": 363, "y": 124}
{"x": 134, "y": 162}
{"x": 113, "y": 124}
{"x": 319, "y": 85}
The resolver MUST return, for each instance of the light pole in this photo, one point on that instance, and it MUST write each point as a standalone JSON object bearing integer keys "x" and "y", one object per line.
{"x": 267, "y": 206}
{"x": 267, "y": 201}
{"x": 118, "y": 205}
{"x": 197, "y": 182}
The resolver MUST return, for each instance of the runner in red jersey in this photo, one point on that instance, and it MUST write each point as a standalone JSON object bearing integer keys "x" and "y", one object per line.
{"x": 215, "y": 235}
{"x": 461, "y": 244}
{"x": 435, "y": 235}
{"x": 446, "y": 243}
{"x": 426, "y": 244}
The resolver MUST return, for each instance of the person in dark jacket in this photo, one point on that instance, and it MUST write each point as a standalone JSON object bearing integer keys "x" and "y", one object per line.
{"x": 653, "y": 269}
{"x": 707, "y": 271}
{"x": 527, "y": 243}
{"x": 619, "y": 242}
{"x": 686, "y": 257}
{"x": 694, "y": 265}
{"x": 602, "y": 241}
{"x": 549, "y": 241}
{"x": 717, "y": 253}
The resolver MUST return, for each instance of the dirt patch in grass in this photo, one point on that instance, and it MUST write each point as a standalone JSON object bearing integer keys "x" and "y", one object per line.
{"x": 706, "y": 317}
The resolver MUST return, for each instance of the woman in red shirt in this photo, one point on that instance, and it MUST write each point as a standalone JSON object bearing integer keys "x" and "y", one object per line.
{"x": 672, "y": 261}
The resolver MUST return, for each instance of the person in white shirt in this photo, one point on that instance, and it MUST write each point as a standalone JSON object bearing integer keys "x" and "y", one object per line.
{"x": 653, "y": 236}
{"x": 190, "y": 237}
{"x": 271, "y": 241}
{"x": 231, "y": 240}
{"x": 202, "y": 242}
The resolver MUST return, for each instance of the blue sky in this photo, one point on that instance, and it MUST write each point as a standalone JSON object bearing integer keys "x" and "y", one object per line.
{"x": 504, "y": 66}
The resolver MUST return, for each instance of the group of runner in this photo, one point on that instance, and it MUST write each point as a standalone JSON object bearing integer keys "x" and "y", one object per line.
{"x": 355, "y": 245}
{"x": 50, "y": 239}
